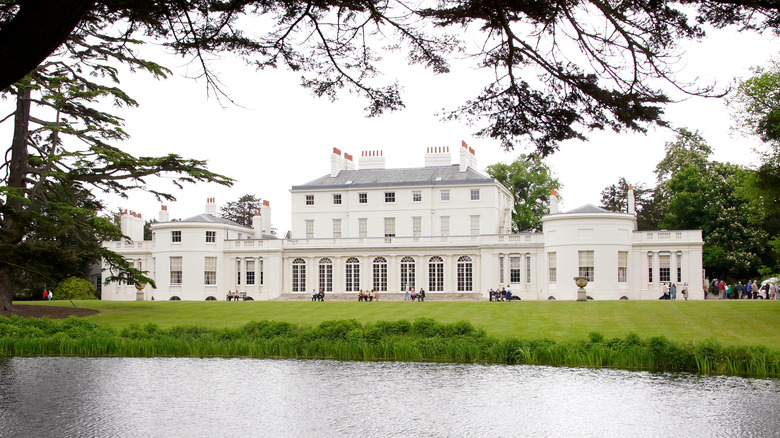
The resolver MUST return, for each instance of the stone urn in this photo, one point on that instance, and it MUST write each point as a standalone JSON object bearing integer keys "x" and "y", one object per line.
{"x": 581, "y": 283}
{"x": 139, "y": 294}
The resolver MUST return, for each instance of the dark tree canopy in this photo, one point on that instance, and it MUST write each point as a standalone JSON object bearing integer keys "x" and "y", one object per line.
{"x": 242, "y": 210}
{"x": 62, "y": 151}
{"x": 648, "y": 214}
{"x": 562, "y": 68}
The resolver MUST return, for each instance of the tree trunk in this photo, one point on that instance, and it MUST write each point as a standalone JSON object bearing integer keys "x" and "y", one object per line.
{"x": 6, "y": 290}
{"x": 11, "y": 230}
{"x": 37, "y": 29}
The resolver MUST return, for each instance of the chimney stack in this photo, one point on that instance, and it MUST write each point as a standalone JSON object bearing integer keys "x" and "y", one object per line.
{"x": 372, "y": 160}
{"x": 631, "y": 201}
{"x": 211, "y": 206}
{"x": 164, "y": 215}
{"x": 553, "y": 202}
{"x": 438, "y": 156}
{"x": 336, "y": 163}
{"x": 467, "y": 157}
{"x": 132, "y": 225}
{"x": 265, "y": 213}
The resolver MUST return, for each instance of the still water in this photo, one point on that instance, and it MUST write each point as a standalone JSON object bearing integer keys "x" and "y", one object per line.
{"x": 172, "y": 397}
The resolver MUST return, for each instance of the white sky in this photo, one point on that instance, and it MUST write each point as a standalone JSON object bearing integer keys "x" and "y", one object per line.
{"x": 282, "y": 136}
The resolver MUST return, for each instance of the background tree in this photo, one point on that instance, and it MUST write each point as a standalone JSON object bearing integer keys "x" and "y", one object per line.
{"x": 241, "y": 211}
{"x": 756, "y": 111}
{"x": 530, "y": 181}
{"x": 61, "y": 150}
{"x": 697, "y": 193}
{"x": 615, "y": 198}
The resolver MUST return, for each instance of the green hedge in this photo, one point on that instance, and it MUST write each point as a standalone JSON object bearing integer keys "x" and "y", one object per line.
{"x": 421, "y": 340}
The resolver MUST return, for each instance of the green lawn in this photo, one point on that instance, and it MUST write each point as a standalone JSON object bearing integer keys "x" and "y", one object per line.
{"x": 730, "y": 322}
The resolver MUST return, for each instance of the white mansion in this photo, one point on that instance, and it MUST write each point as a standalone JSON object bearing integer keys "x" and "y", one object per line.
{"x": 442, "y": 227}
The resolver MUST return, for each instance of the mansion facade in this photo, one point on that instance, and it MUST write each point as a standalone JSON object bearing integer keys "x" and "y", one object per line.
{"x": 443, "y": 227}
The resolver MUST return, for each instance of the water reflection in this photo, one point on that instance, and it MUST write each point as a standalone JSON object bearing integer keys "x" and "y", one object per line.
{"x": 249, "y": 397}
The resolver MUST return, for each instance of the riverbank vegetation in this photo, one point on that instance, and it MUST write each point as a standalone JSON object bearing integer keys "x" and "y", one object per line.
{"x": 420, "y": 340}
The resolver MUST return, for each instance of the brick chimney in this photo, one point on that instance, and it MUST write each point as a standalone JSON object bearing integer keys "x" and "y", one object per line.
{"x": 553, "y": 202}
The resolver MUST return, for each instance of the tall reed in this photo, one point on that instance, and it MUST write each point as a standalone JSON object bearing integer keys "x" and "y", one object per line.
{"x": 419, "y": 340}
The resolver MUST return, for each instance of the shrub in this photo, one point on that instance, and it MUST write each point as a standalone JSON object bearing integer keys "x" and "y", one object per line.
{"x": 74, "y": 288}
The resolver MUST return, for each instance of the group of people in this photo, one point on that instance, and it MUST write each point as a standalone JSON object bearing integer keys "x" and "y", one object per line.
{"x": 368, "y": 295}
{"x": 233, "y": 296}
{"x": 747, "y": 291}
{"x": 670, "y": 292}
{"x": 412, "y": 295}
{"x": 47, "y": 294}
{"x": 504, "y": 294}
{"x": 318, "y": 295}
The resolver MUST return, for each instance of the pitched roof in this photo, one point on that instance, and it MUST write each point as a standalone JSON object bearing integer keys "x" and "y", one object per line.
{"x": 590, "y": 208}
{"x": 208, "y": 218}
{"x": 435, "y": 175}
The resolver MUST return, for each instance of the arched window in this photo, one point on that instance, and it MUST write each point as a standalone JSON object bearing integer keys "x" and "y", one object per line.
{"x": 326, "y": 274}
{"x": 380, "y": 274}
{"x": 465, "y": 274}
{"x": 352, "y": 275}
{"x": 407, "y": 273}
{"x": 436, "y": 274}
{"x": 299, "y": 275}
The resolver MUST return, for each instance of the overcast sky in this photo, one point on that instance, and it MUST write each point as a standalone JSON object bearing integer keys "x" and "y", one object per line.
{"x": 280, "y": 135}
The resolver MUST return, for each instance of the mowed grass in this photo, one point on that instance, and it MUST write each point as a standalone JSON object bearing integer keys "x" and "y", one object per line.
{"x": 736, "y": 323}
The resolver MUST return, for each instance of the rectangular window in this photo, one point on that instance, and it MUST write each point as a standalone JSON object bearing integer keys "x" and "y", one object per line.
{"x": 363, "y": 198}
{"x": 389, "y": 227}
{"x": 238, "y": 271}
{"x": 664, "y": 270}
{"x": 261, "y": 272}
{"x": 309, "y": 228}
{"x": 445, "y": 194}
{"x": 389, "y": 197}
{"x": 211, "y": 236}
{"x": 336, "y": 228}
{"x": 176, "y": 270}
{"x": 337, "y": 198}
{"x": 475, "y": 194}
{"x": 209, "y": 270}
{"x": 475, "y": 225}
{"x": 649, "y": 267}
{"x": 363, "y": 227}
{"x": 250, "y": 272}
{"x": 501, "y": 269}
{"x": 552, "y": 267}
{"x": 622, "y": 266}
{"x": 587, "y": 267}
{"x": 528, "y": 268}
{"x": 175, "y": 236}
{"x": 416, "y": 226}
{"x": 416, "y": 196}
{"x": 679, "y": 268}
{"x": 445, "y": 225}
{"x": 514, "y": 269}
{"x": 309, "y": 199}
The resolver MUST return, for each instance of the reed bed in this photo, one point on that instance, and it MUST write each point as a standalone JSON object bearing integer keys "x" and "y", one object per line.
{"x": 419, "y": 340}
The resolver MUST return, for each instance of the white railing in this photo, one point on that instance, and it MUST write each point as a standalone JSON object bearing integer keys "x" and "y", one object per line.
{"x": 666, "y": 236}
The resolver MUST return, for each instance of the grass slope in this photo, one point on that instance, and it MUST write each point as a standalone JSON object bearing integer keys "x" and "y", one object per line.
{"x": 729, "y": 322}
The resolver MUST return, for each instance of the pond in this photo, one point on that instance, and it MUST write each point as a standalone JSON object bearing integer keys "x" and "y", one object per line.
{"x": 163, "y": 397}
